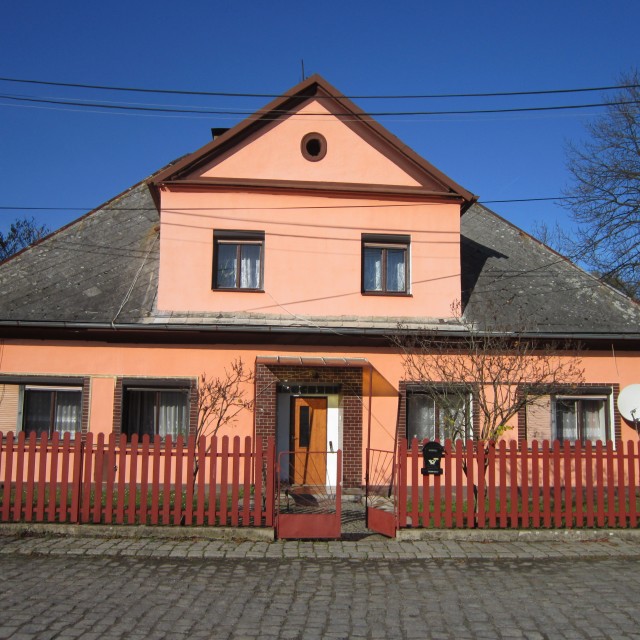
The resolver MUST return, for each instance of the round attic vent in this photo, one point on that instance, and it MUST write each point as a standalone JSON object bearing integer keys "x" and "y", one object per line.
{"x": 314, "y": 147}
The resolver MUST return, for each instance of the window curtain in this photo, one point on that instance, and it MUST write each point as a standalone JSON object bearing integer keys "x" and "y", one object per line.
{"x": 140, "y": 413}
{"x": 250, "y": 266}
{"x": 593, "y": 419}
{"x": 68, "y": 412}
{"x": 37, "y": 411}
{"x": 420, "y": 417}
{"x": 395, "y": 270}
{"x": 227, "y": 265}
{"x": 151, "y": 412}
{"x": 47, "y": 411}
{"x": 172, "y": 414}
{"x": 566, "y": 420}
{"x": 372, "y": 269}
{"x": 452, "y": 418}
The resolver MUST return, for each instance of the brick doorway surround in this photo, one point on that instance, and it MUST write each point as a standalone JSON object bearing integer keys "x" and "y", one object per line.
{"x": 268, "y": 377}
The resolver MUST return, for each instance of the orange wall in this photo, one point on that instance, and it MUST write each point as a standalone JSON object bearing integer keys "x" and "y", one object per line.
{"x": 104, "y": 362}
{"x": 312, "y": 256}
{"x": 101, "y": 405}
{"x": 312, "y": 253}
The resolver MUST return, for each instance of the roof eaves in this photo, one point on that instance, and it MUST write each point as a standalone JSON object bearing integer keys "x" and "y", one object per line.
{"x": 448, "y": 331}
{"x": 335, "y": 188}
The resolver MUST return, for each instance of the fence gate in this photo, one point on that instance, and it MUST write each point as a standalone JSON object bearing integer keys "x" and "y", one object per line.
{"x": 381, "y": 492}
{"x": 309, "y": 494}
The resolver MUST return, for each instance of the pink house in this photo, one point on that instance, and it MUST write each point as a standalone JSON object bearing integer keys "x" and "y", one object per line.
{"x": 296, "y": 241}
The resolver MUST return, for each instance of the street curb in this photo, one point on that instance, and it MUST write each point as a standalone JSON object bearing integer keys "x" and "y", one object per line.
{"x": 248, "y": 534}
{"x": 267, "y": 534}
{"x": 517, "y": 535}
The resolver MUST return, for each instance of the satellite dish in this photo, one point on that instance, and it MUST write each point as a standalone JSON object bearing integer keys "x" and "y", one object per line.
{"x": 629, "y": 403}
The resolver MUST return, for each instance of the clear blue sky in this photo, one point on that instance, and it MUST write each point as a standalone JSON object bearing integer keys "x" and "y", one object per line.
{"x": 54, "y": 156}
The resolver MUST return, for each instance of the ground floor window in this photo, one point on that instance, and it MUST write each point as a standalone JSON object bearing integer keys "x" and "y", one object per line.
{"x": 52, "y": 409}
{"x": 163, "y": 412}
{"x": 572, "y": 417}
{"x": 438, "y": 415}
{"x": 581, "y": 418}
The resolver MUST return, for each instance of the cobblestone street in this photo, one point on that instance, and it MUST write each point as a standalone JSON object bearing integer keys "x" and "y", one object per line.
{"x": 91, "y": 588}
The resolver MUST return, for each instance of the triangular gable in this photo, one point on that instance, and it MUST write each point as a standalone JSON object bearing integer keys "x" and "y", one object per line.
{"x": 361, "y": 155}
{"x": 274, "y": 153}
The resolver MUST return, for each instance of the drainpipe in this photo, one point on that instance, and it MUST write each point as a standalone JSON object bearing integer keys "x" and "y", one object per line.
{"x": 255, "y": 411}
{"x": 366, "y": 476}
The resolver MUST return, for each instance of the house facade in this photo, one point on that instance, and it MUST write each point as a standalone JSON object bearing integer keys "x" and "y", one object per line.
{"x": 296, "y": 243}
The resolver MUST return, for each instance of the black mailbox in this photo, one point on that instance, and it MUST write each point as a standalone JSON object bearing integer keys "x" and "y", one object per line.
{"x": 432, "y": 452}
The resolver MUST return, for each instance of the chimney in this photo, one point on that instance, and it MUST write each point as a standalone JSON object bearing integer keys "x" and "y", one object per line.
{"x": 216, "y": 132}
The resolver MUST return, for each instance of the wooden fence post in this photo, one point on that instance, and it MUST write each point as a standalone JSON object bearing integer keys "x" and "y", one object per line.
{"x": 631, "y": 486}
{"x": 271, "y": 479}
{"x": 8, "y": 469}
{"x": 246, "y": 497}
{"x": 76, "y": 480}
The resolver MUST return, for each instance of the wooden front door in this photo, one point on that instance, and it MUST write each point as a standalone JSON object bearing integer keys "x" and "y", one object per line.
{"x": 309, "y": 441}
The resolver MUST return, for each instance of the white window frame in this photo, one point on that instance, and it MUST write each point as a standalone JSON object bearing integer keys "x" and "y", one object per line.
{"x": 24, "y": 388}
{"x": 607, "y": 415}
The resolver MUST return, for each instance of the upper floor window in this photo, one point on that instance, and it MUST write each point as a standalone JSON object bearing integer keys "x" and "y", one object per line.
{"x": 238, "y": 260}
{"x": 438, "y": 415}
{"x": 51, "y": 409}
{"x": 385, "y": 264}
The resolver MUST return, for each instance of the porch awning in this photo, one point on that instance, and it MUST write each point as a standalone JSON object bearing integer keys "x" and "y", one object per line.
{"x": 380, "y": 386}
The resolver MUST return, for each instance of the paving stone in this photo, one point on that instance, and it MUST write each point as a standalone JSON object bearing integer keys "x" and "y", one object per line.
{"x": 338, "y": 589}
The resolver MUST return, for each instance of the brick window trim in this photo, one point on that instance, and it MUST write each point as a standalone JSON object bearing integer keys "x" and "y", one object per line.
{"x": 582, "y": 389}
{"x": 159, "y": 383}
{"x": 406, "y": 385}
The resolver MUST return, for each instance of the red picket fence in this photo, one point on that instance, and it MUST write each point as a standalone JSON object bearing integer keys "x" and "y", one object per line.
{"x": 112, "y": 481}
{"x": 521, "y": 486}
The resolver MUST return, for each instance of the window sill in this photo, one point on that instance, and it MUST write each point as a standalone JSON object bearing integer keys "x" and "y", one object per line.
{"x": 386, "y": 294}
{"x": 238, "y": 290}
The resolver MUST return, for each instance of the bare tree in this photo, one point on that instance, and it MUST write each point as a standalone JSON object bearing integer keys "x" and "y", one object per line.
{"x": 604, "y": 199}
{"x": 220, "y": 400}
{"x": 502, "y": 368}
{"x": 21, "y": 234}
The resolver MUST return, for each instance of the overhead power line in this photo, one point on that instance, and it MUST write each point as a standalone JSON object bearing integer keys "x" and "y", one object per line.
{"x": 341, "y": 206}
{"x": 548, "y": 198}
{"x": 277, "y": 112}
{"x": 495, "y": 94}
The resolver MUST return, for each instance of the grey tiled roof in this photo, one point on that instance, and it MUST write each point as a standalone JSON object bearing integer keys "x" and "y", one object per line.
{"x": 103, "y": 270}
{"x": 508, "y": 274}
